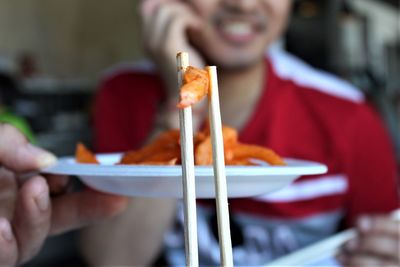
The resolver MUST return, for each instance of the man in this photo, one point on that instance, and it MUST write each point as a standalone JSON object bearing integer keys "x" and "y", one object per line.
{"x": 27, "y": 212}
{"x": 277, "y": 101}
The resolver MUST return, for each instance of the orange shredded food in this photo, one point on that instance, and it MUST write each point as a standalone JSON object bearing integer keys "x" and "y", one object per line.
{"x": 165, "y": 150}
{"x": 84, "y": 155}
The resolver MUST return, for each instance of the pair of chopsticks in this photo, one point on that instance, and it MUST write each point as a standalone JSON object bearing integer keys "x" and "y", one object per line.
{"x": 189, "y": 191}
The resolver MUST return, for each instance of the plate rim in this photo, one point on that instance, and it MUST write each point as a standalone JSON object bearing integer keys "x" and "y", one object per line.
{"x": 63, "y": 167}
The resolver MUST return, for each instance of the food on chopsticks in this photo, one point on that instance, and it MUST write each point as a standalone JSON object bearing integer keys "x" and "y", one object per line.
{"x": 195, "y": 86}
{"x": 165, "y": 150}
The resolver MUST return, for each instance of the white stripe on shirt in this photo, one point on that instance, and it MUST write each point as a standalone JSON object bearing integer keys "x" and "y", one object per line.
{"x": 292, "y": 68}
{"x": 310, "y": 189}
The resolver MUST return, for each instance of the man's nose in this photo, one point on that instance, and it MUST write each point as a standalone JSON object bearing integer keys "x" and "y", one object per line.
{"x": 242, "y": 5}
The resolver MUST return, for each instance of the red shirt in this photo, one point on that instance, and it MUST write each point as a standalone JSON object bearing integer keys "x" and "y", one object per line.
{"x": 303, "y": 113}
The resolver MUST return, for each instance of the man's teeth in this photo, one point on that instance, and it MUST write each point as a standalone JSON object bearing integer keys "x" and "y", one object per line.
{"x": 237, "y": 28}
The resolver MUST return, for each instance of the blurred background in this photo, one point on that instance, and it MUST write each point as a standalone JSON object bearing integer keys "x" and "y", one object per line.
{"x": 54, "y": 53}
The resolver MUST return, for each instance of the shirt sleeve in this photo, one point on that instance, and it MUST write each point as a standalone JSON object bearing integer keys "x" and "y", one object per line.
{"x": 372, "y": 169}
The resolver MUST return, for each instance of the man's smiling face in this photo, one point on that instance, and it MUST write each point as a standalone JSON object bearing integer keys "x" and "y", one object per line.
{"x": 235, "y": 33}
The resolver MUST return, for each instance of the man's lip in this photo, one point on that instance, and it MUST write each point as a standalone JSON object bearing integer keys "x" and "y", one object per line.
{"x": 237, "y": 39}
{"x": 237, "y": 32}
{"x": 238, "y": 28}
{"x": 257, "y": 21}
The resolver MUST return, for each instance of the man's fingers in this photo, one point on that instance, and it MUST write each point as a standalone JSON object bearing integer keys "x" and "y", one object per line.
{"x": 31, "y": 221}
{"x": 379, "y": 224}
{"x": 364, "y": 260}
{"x": 8, "y": 193}
{"x": 380, "y": 236}
{"x": 159, "y": 23}
{"x": 8, "y": 244}
{"x": 80, "y": 208}
{"x": 162, "y": 23}
{"x": 378, "y": 245}
{"x": 58, "y": 184}
{"x": 148, "y": 8}
{"x": 18, "y": 155}
{"x": 177, "y": 30}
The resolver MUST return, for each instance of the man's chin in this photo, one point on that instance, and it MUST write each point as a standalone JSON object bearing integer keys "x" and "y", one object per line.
{"x": 233, "y": 65}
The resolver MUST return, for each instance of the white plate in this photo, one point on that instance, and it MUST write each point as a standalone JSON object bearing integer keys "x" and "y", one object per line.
{"x": 166, "y": 181}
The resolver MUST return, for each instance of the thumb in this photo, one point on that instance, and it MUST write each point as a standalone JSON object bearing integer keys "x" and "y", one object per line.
{"x": 18, "y": 155}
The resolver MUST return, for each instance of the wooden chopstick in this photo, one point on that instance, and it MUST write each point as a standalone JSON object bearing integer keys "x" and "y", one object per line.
{"x": 224, "y": 231}
{"x": 189, "y": 189}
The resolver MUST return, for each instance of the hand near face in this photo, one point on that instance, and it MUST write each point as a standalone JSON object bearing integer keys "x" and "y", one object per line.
{"x": 377, "y": 244}
{"x": 166, "y": 24}
{"x": 166, "y": 27}
{"x": 27, "y": 212}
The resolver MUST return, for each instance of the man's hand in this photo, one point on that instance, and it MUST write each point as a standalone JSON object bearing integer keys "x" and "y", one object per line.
{"x": 377, "y": 244}
{"x": 166, "y": 24}
{"x": 165, "y": 28}
{"x": 27, "y": 213}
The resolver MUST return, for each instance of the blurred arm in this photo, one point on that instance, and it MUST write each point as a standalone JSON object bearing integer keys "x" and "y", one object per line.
{"x": 133, "y": 238}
